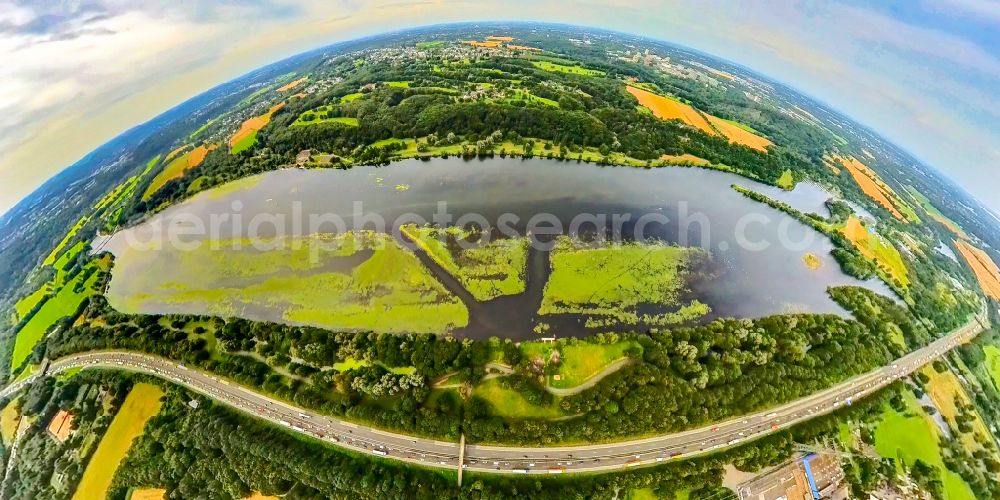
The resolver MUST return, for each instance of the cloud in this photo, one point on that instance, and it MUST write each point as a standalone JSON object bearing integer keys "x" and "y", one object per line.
{"x": 76, "y": 73}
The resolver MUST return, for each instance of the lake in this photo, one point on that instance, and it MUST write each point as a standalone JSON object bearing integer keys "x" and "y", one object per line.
{"x": 756, "y": 265}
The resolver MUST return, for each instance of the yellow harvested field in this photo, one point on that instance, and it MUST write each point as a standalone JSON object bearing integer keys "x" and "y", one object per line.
{"x": 944, "y": 390}
{"x": 876, "y": 249}
{"x": 149, "y": 494}
{"x": 252, "y": 125}
{"x": 9, "y": 418}
{"x": 291, "y": 85}
{"x": 487, "y": 45}
{"x": 177, "y": 168}
{"x": 685, "y": 159}
{"x": 670, "y": 109}
{"x": 140, "y": 405}
{"x": 172, "y": 154}
{"x": 871, "y": 184}
{"x": 739, "y": 135}
{"x": 983, "y": 267}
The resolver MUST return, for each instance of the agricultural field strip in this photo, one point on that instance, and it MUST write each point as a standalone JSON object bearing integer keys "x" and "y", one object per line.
{"x": 538, "y": 460}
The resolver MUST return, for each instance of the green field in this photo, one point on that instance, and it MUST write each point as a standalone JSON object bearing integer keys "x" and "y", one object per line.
{"x": 524, "y": 95}
{"x": 786, "y": 181}
{"x": 512, "y": 404}
{"x": 487, "y": 271}
{"x": 352, "y": 97}
{"x": 578, "y": 362}
{"x": 400, "y": 84}
{"x": 610, "y": 280}
{"x": 430, "y": 44}
{"x": 27, "y": 303}
{"x": 244, "y": 143}
{"x": 321, "y": 115}
{"x": 934, "y": 213}
{"x": 141, "y": 404}
{"x": 51, "y": 258}
{"x": 63, "y": 304}
{"x": 993, "y": 363}
{"x": 563, "y": 68}
{"x": 914, "y": 436}
{"x": 316, "y": 280}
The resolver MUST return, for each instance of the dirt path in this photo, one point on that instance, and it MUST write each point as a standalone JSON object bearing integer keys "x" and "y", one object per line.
{"x": 592, "y": 381}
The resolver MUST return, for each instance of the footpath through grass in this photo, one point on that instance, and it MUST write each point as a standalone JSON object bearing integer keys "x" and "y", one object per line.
{"x": 140, "y": 405}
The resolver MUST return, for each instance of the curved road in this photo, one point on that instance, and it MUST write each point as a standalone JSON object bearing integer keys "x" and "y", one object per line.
{"x": 517, "y": 460}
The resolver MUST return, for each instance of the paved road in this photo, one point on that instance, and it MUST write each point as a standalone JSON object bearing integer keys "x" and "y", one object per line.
{"x": 515, "y": 460}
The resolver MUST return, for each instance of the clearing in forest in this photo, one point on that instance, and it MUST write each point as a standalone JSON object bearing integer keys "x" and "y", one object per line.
{"x": 141, "y": 404}
{"x": 246, "y": 137}
{"x": 983, "y": 267}
{"x": 877, "y": 249}
{"x": 671, "y": 109}
{"x": 576, "y": 363}
{"x": 511, "y": 403}
{"x": 177, "y": 168}
{"x": 486, "y": 270}
{"x": 873, "y": 186}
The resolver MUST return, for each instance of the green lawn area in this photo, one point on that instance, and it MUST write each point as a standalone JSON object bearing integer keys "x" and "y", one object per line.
{"x": 786, "y": 181}
{"x": 63, "y": 304}
{"x": 578, "y": 361}
{"x": 914, "y": 436}
{"x": 399, "y": 84}
{"x": 993, "y": 363}
{"x": 641, "y": 494}
{"x": 511, "y": 404}
{"x": 563, "y": 68}
{"x": 141, "y": 404}
{"x": 611, "y": 280}
{"x": 524, "y": 95}
{"x": 487, "y": 271}
{"x": 385, "y": 289}
{"x": 352, "y": 97}
{"x": 322, "y": 115}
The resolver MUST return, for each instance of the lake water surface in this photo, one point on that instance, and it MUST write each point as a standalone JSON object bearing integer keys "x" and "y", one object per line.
{"x": 756, "y": 266}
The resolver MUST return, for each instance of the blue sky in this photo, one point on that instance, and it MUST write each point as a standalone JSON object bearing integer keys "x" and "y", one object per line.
{"x": 925, "y": 74}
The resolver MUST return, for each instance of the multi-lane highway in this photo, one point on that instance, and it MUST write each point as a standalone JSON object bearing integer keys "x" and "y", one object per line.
{"x": 515, "y": 460}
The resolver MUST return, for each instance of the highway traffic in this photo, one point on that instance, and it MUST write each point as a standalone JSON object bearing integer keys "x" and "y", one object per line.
{"x": 513, "y": 460}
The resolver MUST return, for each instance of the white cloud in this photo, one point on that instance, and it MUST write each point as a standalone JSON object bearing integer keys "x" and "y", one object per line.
{"x": 74, "y": 74}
